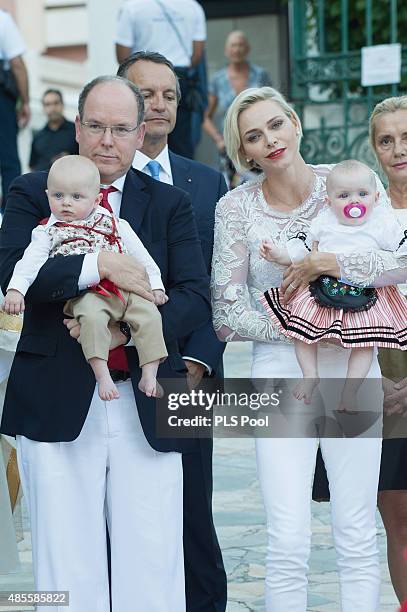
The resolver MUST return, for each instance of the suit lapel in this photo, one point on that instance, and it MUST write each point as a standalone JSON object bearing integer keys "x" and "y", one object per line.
{"x": 135, "y": 199}
{"x": 182, "y": 174}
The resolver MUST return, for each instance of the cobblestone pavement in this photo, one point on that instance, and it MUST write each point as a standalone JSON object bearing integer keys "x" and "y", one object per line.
{"x": 240, "y": 520}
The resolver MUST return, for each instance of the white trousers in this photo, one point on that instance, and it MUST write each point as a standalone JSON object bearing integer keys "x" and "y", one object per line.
{"x": 286, "y": 469}
{"x": 111, "y": 473}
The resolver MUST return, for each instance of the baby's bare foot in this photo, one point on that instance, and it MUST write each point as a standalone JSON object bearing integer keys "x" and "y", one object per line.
{"x": 305, "y": 388}
{"x": 107, "y": 389}
{"x": 150, "y": 386}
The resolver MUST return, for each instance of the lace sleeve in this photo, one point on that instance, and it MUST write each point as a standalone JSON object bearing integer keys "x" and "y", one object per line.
{"x": 378, "y": 268}
{"x": 233, "y": 316}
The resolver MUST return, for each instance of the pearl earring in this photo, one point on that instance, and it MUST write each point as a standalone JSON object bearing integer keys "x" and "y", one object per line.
{"x": 248, "y": 160}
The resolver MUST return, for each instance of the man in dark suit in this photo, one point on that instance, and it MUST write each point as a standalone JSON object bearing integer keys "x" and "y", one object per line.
{"x": 83, "y": 460}
{"x": 56, "y": 138}
{"x": 202, "y": 351}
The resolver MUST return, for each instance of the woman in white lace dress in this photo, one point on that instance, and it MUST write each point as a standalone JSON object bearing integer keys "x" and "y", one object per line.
{"x": 261, "y": 129}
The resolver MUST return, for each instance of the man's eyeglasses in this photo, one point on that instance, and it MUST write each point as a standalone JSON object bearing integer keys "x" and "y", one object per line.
{"x": 117, "y": 131}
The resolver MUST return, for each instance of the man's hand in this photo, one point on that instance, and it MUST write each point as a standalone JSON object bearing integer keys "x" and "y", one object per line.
{"x": 14, "y": 302}
{"x": 160, "y": 297}
{"x": 118, "y": 338}
{"x": 395, "y": 398}
{"x": 74, "y": 328}
{"x": 23, "y": 115}
{"x": 195, "y": 373}
{"x": 126, "y": 272}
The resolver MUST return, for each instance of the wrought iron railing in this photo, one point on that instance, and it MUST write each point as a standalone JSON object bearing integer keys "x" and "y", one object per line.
{"x": 326, "y": 85}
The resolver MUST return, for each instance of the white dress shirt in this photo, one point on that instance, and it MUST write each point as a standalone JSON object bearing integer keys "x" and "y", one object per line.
{"x": 140, "y": 162}
{"x": 143, "y": 25}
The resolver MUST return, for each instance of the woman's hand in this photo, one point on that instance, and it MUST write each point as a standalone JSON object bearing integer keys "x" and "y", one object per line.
{"x": 395, "y": 399}
{"x": 300, "y": 274}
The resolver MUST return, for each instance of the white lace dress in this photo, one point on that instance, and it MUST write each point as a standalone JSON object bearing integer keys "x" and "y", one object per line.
{"x": 239, "y": 276}
{"x": 286, "y": 459}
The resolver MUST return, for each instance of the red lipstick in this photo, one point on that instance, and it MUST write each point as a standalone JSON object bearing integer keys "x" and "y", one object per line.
{"x": 276, "y": 153}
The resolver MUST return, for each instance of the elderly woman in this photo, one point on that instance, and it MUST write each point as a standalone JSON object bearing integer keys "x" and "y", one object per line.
{"x": 225, "y": 85}
{"x": 262, "y": 130}
{"x": 388, "y": 137}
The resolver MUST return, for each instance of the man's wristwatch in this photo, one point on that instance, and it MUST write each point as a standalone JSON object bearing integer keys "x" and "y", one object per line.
{"x": 125, "y": 330}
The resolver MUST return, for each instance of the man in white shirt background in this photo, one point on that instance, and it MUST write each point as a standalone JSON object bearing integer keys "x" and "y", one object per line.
{"x": 13, "y": 85}
{"x": 177, "y": 30}
{"x": 202, "y": 351}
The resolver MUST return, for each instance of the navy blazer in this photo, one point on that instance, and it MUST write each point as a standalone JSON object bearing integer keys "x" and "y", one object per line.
{"x": 51, "y": 385}
{"x": 205, "y": 186}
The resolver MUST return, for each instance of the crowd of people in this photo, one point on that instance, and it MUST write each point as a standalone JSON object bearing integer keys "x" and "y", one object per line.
{"x": 109, "y": 254}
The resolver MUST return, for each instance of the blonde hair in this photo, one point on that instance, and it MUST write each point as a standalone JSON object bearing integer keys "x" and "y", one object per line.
{"x": 244, "y": 100}
{"x": 76, "y": 166}
{"x": 347, "y": 166}
{"x": 389, "y": 105}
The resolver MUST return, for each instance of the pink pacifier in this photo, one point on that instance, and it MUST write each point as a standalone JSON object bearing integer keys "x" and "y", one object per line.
{"x": 354, "y": 211}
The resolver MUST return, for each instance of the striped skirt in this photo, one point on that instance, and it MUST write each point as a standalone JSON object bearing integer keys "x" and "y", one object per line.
{"x": 384, "y": 324}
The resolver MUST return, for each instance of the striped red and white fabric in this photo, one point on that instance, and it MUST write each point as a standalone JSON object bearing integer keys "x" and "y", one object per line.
{"x": 384, "y": 324}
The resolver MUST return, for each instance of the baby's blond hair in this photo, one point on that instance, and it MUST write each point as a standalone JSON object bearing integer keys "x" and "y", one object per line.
{"x": 76, "y": 166}
{"x": 347, "y": 166}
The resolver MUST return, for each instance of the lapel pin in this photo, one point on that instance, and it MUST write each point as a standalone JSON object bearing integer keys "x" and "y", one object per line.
{"x": 189, "y": 180}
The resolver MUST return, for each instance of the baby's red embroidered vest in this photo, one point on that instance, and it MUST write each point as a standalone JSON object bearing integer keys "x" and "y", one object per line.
{"x": 99, "y": 232}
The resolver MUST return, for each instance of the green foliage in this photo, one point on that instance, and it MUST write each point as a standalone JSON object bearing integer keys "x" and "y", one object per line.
{"x": 357, "y": 32}
{"x": 357, "y": 22}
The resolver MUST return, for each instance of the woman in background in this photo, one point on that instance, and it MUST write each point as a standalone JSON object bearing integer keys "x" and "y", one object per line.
{"x": 224, "y": 86}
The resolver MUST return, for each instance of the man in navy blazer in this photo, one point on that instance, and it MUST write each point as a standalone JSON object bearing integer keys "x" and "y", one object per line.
{"x": 82, "y": 460}
{"x": 201, "y": 349}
